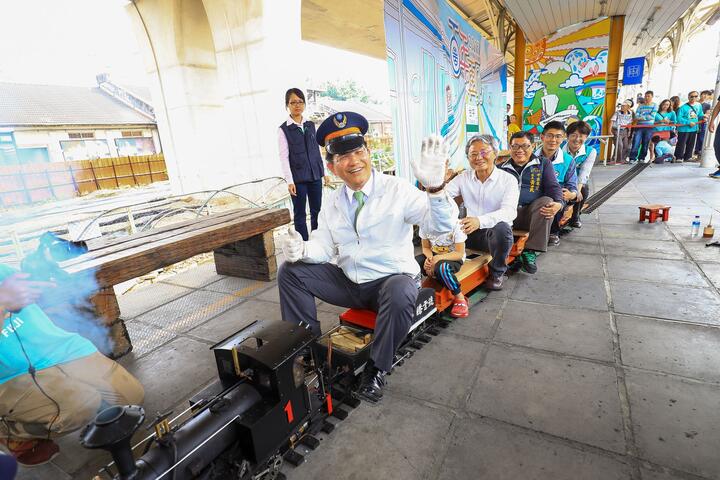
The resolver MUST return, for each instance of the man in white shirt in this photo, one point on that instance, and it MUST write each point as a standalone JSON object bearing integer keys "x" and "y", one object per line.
{"x": 491, "y": 197}
{"x": 366, "y": 232}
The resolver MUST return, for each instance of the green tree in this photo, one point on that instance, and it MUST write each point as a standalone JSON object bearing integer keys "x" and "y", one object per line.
{"x": 346, "y": 90}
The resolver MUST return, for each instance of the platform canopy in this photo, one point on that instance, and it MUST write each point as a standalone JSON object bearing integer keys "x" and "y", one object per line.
{"x": 646, "y": 21}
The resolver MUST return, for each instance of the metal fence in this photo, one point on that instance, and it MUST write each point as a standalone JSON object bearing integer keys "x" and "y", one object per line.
{"x": 37, "y": 182}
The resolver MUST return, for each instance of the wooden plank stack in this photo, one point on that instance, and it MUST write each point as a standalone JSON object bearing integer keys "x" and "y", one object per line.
{"x": 350, "y": 340}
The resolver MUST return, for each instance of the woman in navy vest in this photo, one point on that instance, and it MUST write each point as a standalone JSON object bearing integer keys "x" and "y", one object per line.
{"x": 301, "y": 162}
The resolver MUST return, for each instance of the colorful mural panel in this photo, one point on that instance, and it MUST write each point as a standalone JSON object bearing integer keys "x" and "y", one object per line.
{"x": 444, "y": 78}
{"x": 566, "y": 76}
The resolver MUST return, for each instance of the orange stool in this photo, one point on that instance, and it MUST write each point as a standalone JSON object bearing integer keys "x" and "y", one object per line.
{"x": 652, "y": 211}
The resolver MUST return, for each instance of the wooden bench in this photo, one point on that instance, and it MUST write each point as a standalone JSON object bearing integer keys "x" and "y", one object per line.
{"x": 241, "y": 240}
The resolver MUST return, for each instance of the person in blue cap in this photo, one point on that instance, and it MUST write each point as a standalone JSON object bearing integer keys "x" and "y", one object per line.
{"x": 362, "y": 255}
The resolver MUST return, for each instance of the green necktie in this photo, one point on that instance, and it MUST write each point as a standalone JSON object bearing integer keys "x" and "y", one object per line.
{"x": 360, "y": 198}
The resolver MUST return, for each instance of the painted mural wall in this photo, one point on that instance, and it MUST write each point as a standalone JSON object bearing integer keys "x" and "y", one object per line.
{"x": 566, "y": 76}
{"x": 444, "y": 78}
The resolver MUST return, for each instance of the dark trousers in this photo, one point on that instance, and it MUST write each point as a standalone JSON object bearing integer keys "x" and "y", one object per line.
{"x": 497, "y": 241}
{"x": 444, "y": 271}
{"x": 641, "y": 141}
{"x": 529, "y": 218}
{"x": 685, "y": 145}
{"x": 392, "y": 297}
{"x": 700, "y": 138}
{"x": 577, "y": 206}
{"x": 307, "y": 192}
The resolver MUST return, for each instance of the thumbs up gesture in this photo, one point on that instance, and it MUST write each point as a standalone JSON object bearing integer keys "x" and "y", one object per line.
{"x": 430, "y": 169}
{"x": 293, "y": 246}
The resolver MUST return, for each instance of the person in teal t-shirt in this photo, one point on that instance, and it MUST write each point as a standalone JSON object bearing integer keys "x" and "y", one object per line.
{"x": 688, "y": 117}
{"x": 52, "y": 382}
{"x": 664, "y": 116}
{"x": 644, "y": 118}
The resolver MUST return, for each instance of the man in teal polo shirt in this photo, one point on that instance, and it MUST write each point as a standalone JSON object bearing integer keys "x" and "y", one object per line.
{"x": 645, "y": 118}
{"x": 52, "y": 382}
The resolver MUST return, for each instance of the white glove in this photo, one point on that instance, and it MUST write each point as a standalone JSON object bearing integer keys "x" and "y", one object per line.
{"x": 293, "y": 246}
{"x": 430, "y": 170}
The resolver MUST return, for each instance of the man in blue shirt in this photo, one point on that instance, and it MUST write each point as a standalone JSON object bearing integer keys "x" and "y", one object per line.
{"x": 52, "y": 382}
{"x": 645, "y": 118}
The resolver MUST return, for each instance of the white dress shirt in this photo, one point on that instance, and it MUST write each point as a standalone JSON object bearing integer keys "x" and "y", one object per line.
{"x": 382, "y": 244}
{"x": 493, "y": 201}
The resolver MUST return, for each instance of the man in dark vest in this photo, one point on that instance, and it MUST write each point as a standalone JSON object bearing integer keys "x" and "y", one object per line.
{"x": 301, "y": 162}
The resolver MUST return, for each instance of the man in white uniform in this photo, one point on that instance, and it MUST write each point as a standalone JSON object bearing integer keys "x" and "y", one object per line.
{"x": 366, "y": 232}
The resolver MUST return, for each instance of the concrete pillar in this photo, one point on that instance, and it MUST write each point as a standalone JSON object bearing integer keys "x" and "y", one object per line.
{"x": 671, "y": 87}
{"x": 708, "y": 159}
{"x": 216, "y": 90}
{"x": 519, "y": 77}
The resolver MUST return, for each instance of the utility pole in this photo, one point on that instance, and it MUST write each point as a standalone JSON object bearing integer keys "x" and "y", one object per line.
{"x": 708, "y": 159}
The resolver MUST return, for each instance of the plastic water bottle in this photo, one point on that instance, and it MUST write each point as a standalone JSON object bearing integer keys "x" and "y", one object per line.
{"x": 695, "y": 232}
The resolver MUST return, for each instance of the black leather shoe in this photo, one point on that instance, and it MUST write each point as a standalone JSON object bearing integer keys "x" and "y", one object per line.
{"x": 494, "y": 283}
{"x": 372, "y": 384}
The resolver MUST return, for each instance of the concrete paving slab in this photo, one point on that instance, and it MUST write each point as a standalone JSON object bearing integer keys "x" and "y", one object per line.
{"x": 691, "y": 304}
{"x": 147, "y": 297}
{"x": 189, "y": 311}
{"x": 270, "y": 295}
{"x": 712, "y": 270}
{"x": 656, "y": 472}
{"x": 173, "y": 373}
{"x": 481, "y": 319}
{"x": 587, "y": 230}
{"x": 568, "y": 290}
{"x": 43, "y": 472}
{"x": 643, "y": 231}
{"x": 571, "y": 244}
{"x": 442, "y": 372}
{"x": 701, "y": 254}
{"x": 146, "y": 338}
{"x": 676, "y": 422}
{"x": 196, "y": 277}
{"x": 678, "y": 348}
{"x": 240, "y": 287}
{"x": 674, "y": 272}
{"x": 584, "y": 333}
{"x": 397, "y": 439}
{"x": 563, "y": 263}
{"x": 643, "y": 248}
{"x": 567, "y": 398}
{"x": 236, "y": 319}
{"x": 629, "y": 216}
{"x": 483, "y": 449}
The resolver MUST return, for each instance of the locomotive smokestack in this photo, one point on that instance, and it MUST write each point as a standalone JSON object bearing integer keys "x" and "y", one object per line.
{"x": 112, "y": 430}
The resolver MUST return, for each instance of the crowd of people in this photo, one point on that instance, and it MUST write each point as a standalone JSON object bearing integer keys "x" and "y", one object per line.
{"x": 671, "y": 131}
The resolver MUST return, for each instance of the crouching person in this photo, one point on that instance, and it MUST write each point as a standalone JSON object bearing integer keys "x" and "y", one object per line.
{"x": 490, "y": 196}
{"x": 540, "y": 197}
{"x": 366, "y": 232}
{"x": 52, "y": 382}
{"x": 443, "y": 256}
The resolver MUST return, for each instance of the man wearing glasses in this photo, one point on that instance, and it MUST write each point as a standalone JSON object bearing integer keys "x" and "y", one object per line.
{"x": 688, "y": 117}
{"x": 361, "y": 255}
{"x": 491, "y": 197}
{"x": 564, "y": 165}
{"x": 540, "y": 197}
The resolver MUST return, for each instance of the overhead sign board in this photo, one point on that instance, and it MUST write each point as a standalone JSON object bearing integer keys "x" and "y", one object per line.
{"x": 633, "y": 69}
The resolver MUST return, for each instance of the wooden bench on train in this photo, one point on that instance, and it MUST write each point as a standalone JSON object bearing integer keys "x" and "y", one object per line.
{"x": 241, "y": 241}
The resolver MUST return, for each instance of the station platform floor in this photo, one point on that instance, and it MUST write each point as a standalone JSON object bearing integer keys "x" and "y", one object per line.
{"x": 604, "y": 365}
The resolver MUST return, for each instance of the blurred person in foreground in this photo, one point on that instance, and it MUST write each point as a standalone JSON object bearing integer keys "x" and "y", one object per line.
{"x": 52, "y": 382}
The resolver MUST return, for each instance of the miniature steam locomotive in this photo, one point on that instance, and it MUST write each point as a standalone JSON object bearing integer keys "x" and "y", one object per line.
{"x": 276, "y": 386}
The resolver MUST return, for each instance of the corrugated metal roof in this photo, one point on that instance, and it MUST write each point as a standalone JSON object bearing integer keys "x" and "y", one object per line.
{"x": 27, "y": 104}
